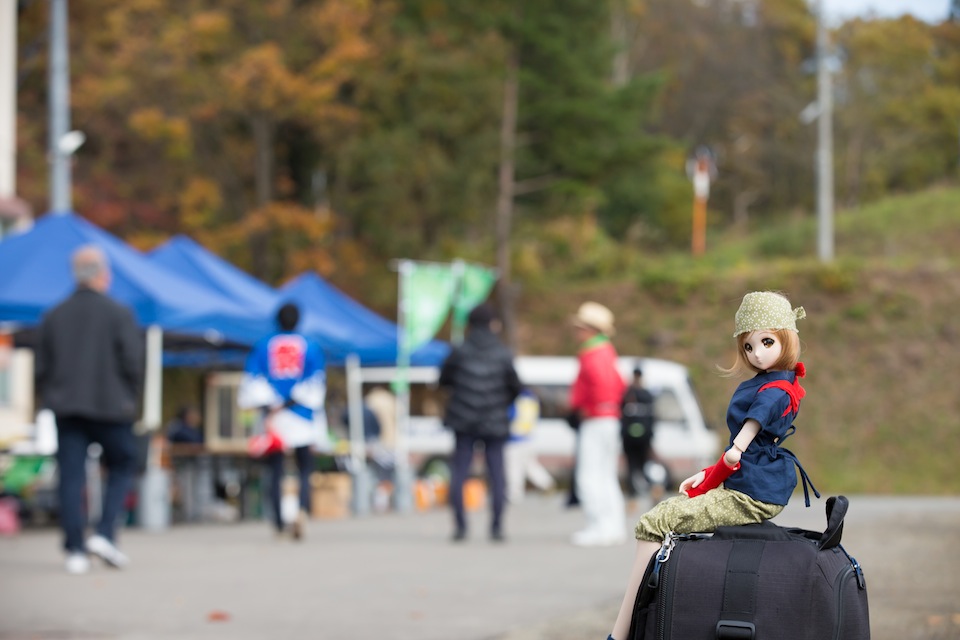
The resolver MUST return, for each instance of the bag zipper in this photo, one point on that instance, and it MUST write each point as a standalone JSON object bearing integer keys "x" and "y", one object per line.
{"x": 666, "y": 602}
{"x": 853, "y": 571}
{"x": 841, "y": 581}
{"x": 861, "y": 581}
{"x": 658, "y": 576}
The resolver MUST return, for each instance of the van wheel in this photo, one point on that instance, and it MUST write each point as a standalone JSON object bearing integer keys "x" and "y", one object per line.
{"x": 435, "y": 467}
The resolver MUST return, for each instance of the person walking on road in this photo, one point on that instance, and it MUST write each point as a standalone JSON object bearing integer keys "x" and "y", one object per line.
{"x": 636, "y": 432}
{"x": 596, "y": 395}
{"x": 89, "y": 373}
{"x": 483, "y": 385}
{"x": 285, "y": 377}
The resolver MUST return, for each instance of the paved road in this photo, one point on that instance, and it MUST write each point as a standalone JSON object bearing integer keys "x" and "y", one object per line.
{"x": 396, "y": 577}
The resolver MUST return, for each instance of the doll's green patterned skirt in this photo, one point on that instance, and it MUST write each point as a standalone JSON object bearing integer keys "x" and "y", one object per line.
{"x": 719, "y": 507}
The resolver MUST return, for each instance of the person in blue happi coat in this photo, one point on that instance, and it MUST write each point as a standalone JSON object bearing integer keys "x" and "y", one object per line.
{"x": 285, "y": 378}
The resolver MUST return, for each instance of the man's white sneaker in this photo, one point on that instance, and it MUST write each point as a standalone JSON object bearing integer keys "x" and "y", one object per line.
{"x": 77, "y": 563}
{"x": 106, "y": 551}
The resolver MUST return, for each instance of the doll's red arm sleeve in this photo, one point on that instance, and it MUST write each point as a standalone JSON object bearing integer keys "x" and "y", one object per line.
{"x": 713, "y": 477}
{"x": 729, "y": 462}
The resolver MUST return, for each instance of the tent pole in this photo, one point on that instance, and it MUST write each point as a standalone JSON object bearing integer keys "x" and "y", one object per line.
{"x": 358, "y": 449}
{"x": 403, "y": 478}
{"x": 153, "y": 380}
{"x": 153, "y": 510}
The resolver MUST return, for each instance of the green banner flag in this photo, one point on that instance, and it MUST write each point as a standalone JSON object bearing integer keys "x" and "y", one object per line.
{"x": 427, "y": 296}
{"x": 475, "y": 283}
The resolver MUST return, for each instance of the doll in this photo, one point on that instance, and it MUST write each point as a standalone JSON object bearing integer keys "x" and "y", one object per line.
{"x": 754, "y": 478}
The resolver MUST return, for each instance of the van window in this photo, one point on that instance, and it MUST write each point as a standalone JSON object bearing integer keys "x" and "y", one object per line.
{"x": 553, "y": 399}
{"x": 666, "y": 407}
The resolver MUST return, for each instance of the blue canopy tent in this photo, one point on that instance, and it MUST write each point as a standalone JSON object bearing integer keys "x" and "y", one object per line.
{"x": 349, "y": 333}
{"x": 349, "y": 327}
{"x": 36, "y": 275}
{"x": 187, "y": 258}
{"x": 340, "y": 324}
{"x": 35, "y": 268}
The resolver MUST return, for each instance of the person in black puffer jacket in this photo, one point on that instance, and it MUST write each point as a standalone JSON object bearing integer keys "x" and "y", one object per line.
{"x": 483, "y": 385}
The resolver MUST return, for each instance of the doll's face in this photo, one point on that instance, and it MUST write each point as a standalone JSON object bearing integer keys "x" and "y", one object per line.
{"x": 762, "y": 349}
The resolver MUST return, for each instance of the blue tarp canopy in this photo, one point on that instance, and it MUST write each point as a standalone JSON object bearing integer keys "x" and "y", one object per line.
{"x": 35, "y": 274}
{"x": 337, "y": 322}
{"x": 345, "y": 326}
{"x": 191, "y": 260}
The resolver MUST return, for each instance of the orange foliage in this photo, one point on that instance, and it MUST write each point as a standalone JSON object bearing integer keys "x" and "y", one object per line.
{"x": 294, "y": 239}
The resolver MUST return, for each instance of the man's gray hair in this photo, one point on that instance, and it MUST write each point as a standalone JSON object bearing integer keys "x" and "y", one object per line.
{"x": 89, "y": 262}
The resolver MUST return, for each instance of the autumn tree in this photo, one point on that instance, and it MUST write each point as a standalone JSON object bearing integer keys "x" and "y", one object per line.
{"x": 898, "y": 107}
{"x": 193, "y": 118}
{"x": 735, "y": 81}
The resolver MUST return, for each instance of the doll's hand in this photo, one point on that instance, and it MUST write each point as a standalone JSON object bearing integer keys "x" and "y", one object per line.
{"x": 692, "y": 482}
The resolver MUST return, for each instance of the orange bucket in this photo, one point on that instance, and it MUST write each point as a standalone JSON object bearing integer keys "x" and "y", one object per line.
{"x": 474, "y": 494}
{"x": 442, "y": 491}
{"x": 423, "y": 496}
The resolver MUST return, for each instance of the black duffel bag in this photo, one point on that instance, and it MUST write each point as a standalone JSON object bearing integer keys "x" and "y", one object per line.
{"x": 755, "y": 582}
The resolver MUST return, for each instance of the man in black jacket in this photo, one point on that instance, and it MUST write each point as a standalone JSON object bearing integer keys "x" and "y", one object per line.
{"x": 89, "y": 371}
{"x": 483, "y": 385}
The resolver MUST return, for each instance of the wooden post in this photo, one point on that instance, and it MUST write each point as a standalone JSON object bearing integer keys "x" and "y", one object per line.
{"x": 699, "y": 238}
{"x": 701, "y": 191}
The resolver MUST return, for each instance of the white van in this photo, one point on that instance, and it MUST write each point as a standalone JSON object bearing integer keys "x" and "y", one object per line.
{"x": 681, "y": 438}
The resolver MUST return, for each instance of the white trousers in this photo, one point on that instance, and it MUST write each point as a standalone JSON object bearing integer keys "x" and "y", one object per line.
{"x": 521, "y": 464}
{"x": 598, "y": 477}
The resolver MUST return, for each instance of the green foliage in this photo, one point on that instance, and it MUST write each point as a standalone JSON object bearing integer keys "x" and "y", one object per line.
{"x": 834, "y": 278}
{"x": 776, "y": 243}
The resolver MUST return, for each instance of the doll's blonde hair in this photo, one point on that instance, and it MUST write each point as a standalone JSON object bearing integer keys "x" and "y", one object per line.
{"x": 789, "y": 356}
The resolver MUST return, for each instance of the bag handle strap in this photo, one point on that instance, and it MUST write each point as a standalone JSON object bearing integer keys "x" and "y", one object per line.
{"x": 740, "y": 591}
{"x": 836, "y": 511}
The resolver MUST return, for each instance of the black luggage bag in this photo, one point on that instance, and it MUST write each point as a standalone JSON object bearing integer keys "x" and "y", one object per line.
{"x": 755, "y": 582}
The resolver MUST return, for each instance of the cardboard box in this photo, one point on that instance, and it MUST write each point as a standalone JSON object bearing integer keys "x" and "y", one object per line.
{"x": 330, "y": 495}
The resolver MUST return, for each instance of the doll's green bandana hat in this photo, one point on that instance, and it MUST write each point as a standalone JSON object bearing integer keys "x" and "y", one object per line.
{"x": 766, "y": 310}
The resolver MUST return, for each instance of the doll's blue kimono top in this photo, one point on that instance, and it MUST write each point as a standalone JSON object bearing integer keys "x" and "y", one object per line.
{"x": 767, "y": 472}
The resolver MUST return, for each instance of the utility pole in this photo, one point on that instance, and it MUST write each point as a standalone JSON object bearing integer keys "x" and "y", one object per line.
{"x": 8, "y": 99}
{"x": 505, "y": 195}
{"x": 59, "y": 85}
{"x": 824, "y": 141}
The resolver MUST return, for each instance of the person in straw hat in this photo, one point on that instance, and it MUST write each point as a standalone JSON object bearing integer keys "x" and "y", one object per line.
{"x": 755, "y": 477}
{"x": 595, "y": 396}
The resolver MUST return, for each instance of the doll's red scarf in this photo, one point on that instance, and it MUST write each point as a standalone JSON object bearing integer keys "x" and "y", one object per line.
{"x": 793, "y": 389}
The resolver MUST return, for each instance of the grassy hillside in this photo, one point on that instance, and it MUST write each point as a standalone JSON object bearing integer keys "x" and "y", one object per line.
{"x": 881, "y": 339}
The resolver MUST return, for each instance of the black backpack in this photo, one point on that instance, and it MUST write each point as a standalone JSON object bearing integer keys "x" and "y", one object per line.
{"x": 754, "y": 582}
{"x": 636, "y": 417}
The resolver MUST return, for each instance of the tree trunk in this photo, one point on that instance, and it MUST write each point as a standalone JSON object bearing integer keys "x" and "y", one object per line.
{"x": 508, "y": 142}
{"x": 620, "y": 75}
{"x": 263, "y": 133}
{"x": 263, "y": 158}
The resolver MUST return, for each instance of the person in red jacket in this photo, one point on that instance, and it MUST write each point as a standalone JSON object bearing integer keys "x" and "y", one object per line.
{"x": 595, "y": 396}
